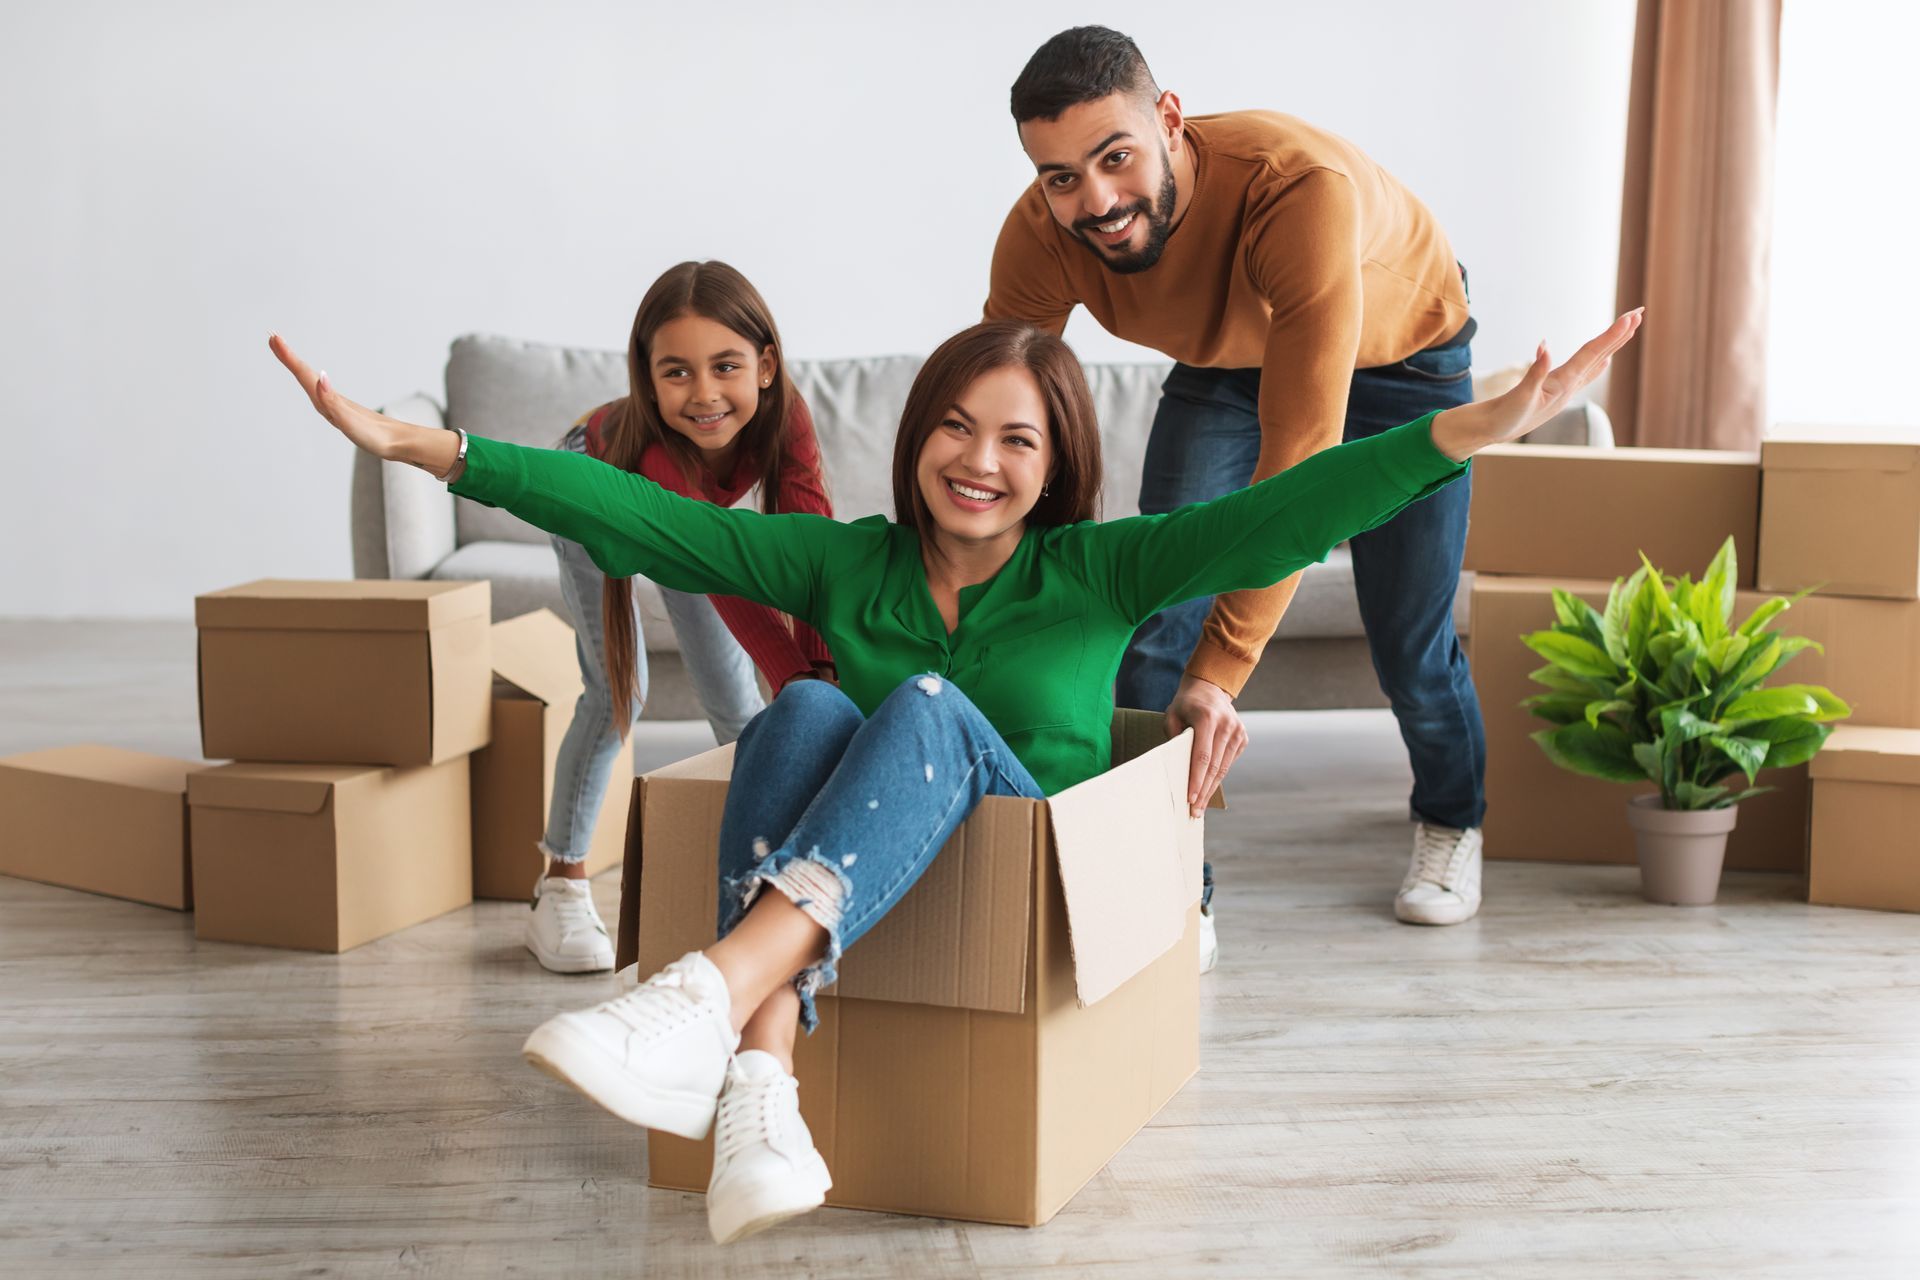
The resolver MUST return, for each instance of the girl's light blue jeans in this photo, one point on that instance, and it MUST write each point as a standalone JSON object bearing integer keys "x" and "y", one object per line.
{"x": 719, "y": 669}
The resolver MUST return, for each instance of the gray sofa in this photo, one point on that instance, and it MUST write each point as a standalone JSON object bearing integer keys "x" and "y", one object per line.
{"x": 406, "y": 525}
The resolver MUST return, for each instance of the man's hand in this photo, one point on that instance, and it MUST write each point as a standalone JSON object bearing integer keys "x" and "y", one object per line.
{"x": 1219, "y": 735}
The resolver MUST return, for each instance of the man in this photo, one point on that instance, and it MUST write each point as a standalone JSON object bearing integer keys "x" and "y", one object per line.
{"x": 1306, "y": 295}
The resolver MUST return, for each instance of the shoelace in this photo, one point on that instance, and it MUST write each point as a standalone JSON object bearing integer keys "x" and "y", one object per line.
{"x": 1437, "y": 851}
{"x": 751, "y": 1113}
{"x": 657, "y": 1006}
{"x": 576, "y": 914}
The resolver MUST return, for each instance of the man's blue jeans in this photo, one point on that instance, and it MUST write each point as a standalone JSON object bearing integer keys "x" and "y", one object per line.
{"x": 1206, "y": 437}
{"x": 873, "y": 799}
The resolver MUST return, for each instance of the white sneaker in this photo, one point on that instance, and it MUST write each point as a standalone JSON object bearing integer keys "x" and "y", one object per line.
{"x": 564, "y": 931}
{"x": 1443, "y": 880}
{"x": 765, "y": 1168}
{"x": 655, "y": 1057}
{"x": 1209, "y": 941}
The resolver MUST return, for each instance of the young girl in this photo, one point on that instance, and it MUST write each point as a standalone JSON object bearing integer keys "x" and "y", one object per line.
{"x": 994, "y": 581}
{"x": 710, "y": 413}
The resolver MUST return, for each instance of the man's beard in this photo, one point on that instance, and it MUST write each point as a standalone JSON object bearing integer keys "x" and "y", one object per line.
{"x": 1159, "y": 215}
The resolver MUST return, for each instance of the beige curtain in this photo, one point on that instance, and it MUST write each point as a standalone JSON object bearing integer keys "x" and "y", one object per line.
{"x": 1696, "y": 218}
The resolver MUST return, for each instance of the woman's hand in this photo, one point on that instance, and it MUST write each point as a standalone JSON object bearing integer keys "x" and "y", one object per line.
{"x": 389, "y": 438}
{"x": 1461, "y": 433}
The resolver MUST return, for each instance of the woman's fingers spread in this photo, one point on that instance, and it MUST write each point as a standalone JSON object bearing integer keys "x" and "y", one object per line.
{"x": 295, "y": 365}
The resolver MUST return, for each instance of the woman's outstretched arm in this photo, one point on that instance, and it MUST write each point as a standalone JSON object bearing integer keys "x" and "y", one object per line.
{"x": 1261, "y": 534}
{"x": 627, "y": 523}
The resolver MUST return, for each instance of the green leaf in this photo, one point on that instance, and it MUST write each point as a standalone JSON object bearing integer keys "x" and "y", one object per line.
{"x": 1648, "y": 756}
{"x": 1691, "y": 796}
{"x": 1769, "y": 704}
{"x": 1789, "y": 741}
{"x": 1662, "y": 601}
{"x": 1613, "y": 624}
{"x": 1726, "y": 651}
{"x": 1738, "y": 796}
{"x": 1600, "y": 708}
{"x": 1681, "y": 725}
{"x": 1565, "y": 681}
{"x": 1598, "y": 753}
{"x": 1749, "y": 753}
{"x": 1571, "y": 653}
{"x": 1722, "y": 576}
{"x": 1557, "y": 708}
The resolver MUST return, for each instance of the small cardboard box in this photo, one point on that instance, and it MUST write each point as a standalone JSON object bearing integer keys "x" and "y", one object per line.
{"x": 1537, "y": 811}
{"x": 536, "y": 681}
{"x": 367, "y": 671}
{"x": 1555, "y": 510}
{"x": 1866, "y": 819}
{"x": 1843, "y": 515}
{"x": 99, "y": 819}
{"x": 324, "y": 857}
{"x": 999, "y": 1035}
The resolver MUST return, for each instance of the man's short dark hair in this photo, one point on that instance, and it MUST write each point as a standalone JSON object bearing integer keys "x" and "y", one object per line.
{"x": 1082, "y": 64}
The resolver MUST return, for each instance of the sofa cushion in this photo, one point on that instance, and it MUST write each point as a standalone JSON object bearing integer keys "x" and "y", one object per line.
{"x": 527, "y": 577}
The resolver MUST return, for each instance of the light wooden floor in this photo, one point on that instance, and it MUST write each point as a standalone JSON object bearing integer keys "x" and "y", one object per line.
{"x": 1575, "y": 1084}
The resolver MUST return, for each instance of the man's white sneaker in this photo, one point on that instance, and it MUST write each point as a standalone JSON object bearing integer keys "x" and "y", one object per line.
{"x": 564, "y": 931}
{"x": 1209, "y": 941}
{"x": 656, "y": 1056}
{"x": 1443, "y": 879}
{"x": 765, "y": 1168}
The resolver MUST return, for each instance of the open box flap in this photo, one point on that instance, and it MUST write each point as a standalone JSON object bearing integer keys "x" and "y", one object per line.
{"x": 1130, "y": 865}
{"x": 535, "y": 653}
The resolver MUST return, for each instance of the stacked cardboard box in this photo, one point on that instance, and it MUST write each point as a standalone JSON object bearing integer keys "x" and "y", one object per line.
{"x": 1844, "y": 516}
{"x": 350, "y": 709}
{"x": 1798, "y": 514}
{"x": 1023, "y": 1011}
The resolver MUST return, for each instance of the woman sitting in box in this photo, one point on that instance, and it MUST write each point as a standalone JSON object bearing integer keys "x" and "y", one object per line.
{"x": 977, "y": 636}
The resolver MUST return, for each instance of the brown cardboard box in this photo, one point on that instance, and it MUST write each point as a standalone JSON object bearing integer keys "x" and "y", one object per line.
{"x": 1843, "y": 515}
{"x": 1540, "y": 812}
{"x": 1028, "y": 1006}
{"x": 1555, "y": 510}
{"x": 536, "y": 680}
{"x": 99, "y": 819}
{"x": 1866, "y": 819}
{"x": 368, "y": 671}
{"x": 324, "y": 857}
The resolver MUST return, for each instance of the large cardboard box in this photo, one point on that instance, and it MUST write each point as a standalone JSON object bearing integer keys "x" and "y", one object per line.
{"x": 1024, "y": 1010}
{"x": 99, "y": 819}
{"x": 367, "y": 671}
{"x": 1556, "y": 510}
{"x": 1866, "y": 819}
{"x": 1845, "y": 515}
{"x": 536, "y": 681}
{"x": 324, "y": 857}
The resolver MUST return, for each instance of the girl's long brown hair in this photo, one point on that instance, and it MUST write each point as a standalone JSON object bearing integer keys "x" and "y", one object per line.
{"x": 1073, "y": 489}
{"x": 717, "y": 292}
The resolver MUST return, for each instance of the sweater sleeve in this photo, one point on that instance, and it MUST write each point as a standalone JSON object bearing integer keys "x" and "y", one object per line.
{"x": 1026, "y": 281}
{"x": 628, "y": 525}
{"x": 1256, "y": 536}
{"x": 1302, "y": 251}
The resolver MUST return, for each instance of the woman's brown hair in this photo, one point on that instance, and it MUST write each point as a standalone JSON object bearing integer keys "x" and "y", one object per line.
{"x": 717, "y": 292}
{"x": 1073, "y": 489}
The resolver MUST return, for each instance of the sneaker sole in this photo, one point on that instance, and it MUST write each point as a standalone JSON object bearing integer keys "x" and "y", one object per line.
{"x": 1435, "y": 915}
{"x": 577, "y": 1062}
{"x": 569, "y": 964}
{"x": 756, "y": 1210}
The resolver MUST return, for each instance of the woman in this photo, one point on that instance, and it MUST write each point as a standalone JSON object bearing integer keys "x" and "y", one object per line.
{"x": 995, "y": 580}
{"x": 711, "y": 414}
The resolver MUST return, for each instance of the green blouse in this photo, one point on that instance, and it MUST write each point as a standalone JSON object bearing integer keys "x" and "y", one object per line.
{"x": 1038, "y": 645}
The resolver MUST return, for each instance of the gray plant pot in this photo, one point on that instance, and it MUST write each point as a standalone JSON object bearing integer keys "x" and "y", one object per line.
{"x": 1680, "y": 850}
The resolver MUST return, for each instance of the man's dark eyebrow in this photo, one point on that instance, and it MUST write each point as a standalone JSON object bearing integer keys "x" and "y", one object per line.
{"x": 1100, "y": 146}
{"x": 721, "y": 355}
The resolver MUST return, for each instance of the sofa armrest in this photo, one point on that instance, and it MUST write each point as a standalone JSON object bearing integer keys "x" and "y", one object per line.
{"x": 402, "y": 518}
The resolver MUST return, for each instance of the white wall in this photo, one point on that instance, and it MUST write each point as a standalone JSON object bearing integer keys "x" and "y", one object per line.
{"x": 373, "y": 179}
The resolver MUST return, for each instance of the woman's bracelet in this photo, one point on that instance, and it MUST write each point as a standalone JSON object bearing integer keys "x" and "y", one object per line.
{"x": 459, "y": 461}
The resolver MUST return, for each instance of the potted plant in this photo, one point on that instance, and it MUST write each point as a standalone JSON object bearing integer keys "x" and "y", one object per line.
{"x": 1663, "y": 686}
